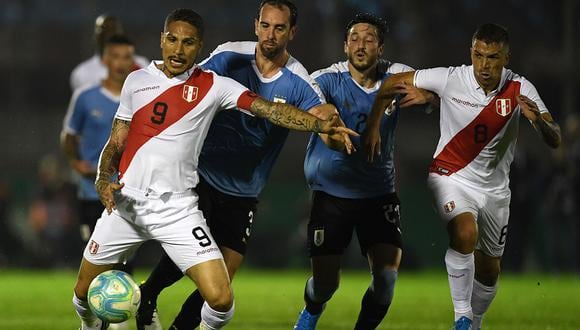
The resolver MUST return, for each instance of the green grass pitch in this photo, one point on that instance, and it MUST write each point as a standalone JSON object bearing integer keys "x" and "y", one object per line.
{"x": 272, "y": 299}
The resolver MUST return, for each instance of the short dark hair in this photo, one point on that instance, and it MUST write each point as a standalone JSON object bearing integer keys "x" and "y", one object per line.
{"x": 119, "y": 39}
{"x": 379, "y": 23}
{"x": 280, "y": 4}
{"x": 491, "y": 33}
{"x": 188, "y": 16}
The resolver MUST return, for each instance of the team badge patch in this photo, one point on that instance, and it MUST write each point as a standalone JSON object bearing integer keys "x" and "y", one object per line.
{"x": 318, "y": 237}
{"x": 189, "y": 93}
{"x": 93, "y": 247}
{"x": 449, "y": 206}
{"x": 503, "y": 107}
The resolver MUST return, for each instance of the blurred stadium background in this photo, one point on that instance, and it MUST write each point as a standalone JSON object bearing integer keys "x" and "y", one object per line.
{"x": 42, "y": 41}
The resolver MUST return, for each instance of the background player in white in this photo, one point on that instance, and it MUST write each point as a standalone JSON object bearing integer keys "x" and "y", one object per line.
{"x": 480, "y": 109}
{"x": 87, "y": 127}
{"x": 349, "y": 193}
{"x": 159, "y": 128}
{"x": 239, "y": 150}
{"x": 92, "y": 70}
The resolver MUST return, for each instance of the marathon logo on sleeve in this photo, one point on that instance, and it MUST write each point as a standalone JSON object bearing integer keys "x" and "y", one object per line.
{"x": 190, "y": 93}
{"x": 503, "y": 107}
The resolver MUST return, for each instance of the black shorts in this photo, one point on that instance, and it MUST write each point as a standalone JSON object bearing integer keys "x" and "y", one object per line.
{"x": 229, "y": 217}
{"x": 333, "y": 219}
{"x": 89, "y": 212}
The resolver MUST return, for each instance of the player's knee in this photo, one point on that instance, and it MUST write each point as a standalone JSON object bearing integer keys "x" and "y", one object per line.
{"x": 220, "y": 300}
{"x": 323, "y": 292}
{"x": 464, "y": 239}
{"x": 383, "y": 286}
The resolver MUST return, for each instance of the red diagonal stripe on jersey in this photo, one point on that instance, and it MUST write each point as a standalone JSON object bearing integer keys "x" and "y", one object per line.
{"x": 162, "y": 112}
{"x": 463, "y": 148}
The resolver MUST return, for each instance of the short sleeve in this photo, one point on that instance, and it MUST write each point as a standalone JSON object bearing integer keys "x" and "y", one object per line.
{"x": 231, "y": 94}
{"x": 434, "y": 79}
{"x": 75, "y": 114}
{"x": 125, "y": 110}
{"x": 529, "y": 90}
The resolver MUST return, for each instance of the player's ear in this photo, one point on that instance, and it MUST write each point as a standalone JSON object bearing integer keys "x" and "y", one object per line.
{"x": 345, "y": 48}
{"x": 161, "y": 39}
{"x": 293, "y": 30}
{"x": 256, "y": 22}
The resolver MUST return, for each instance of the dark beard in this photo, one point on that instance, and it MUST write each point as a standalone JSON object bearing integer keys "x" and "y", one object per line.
{"x": 359, "y": 67}
{"x": 271, "y": 54}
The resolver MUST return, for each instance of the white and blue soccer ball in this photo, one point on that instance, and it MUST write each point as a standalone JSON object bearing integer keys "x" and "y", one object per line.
{"x": 114, "y": 296}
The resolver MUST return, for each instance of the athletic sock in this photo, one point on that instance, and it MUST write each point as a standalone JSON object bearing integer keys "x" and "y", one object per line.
{"x": 315, "y": 302}
{"x": 88, "y": 318}
{"x": 481, "y": 298}
{"x": 213, "y": 319}
{"x": 376, "y": 300}
{"x": 460, "y": 271}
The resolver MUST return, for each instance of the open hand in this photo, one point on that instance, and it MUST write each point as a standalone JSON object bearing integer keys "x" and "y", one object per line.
{"x": 529, "y": 108}
{"x": 413, "y": 95}
{"x": 106, "y": 191}
{"x": 334, "y": 126}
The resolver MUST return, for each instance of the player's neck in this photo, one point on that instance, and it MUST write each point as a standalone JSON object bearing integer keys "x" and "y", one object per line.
{"x": 112, "y": 86}
{"x": 366, "y": 78}
{"x": 270, "y": 67}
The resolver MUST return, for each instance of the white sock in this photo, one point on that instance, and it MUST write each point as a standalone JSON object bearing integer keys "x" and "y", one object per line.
{"x": 88, "y": 319}
{"x": 481, "y": 298}
{"x": 460, "y": 272}
{"x": 213, "y": 319}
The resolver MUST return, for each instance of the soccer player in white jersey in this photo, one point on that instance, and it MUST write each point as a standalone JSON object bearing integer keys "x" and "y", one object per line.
{"x": 93, "y": 70}
{"x": 480, "y": 109}
{"x": 163, "y": 117}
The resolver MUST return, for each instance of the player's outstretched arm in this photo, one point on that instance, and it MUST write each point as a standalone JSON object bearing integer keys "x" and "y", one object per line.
{"x": 542, "y": 122}
{"x": 289, "y": 116}
{"x": 371, "y": 138}
{"x": 338, "y": 142}
{"x": 109, "y": 163}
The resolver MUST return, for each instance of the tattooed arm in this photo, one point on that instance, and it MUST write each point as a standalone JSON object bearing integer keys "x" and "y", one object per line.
{"x": 288, "y": 116}
{"x": 542, "y": 122}
{"x": 109, "y": 163}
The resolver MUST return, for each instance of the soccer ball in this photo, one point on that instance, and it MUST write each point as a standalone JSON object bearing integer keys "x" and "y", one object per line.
{"x": 113, "y": 296}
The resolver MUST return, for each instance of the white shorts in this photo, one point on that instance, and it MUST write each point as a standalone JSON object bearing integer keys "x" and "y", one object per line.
{"x": 172, "y": 219}
{"x": 491, "y": 211}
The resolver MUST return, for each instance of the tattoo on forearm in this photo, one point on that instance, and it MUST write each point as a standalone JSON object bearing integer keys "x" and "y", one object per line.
{"x": 550, "y": 132}
{"x": 111, "y": 154}
{"x": 286, "y": 115}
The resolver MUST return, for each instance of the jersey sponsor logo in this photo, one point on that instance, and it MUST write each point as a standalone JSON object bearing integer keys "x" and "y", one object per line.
{"x": 93, "y": 247}
{"x": 189, "y": 93}
{"x": 318, "y": 237}
{"x": 503, "y": 107}
{"x": 449, "y": 206}
{"x": 148, "y": 88}
{"x": 467, "y": 103}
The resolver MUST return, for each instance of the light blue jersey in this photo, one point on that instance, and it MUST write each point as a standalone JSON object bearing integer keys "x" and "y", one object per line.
{"x": 351, "y": 176}
{"x": 90, "y": 116}
{"x": 240, "y": 150}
